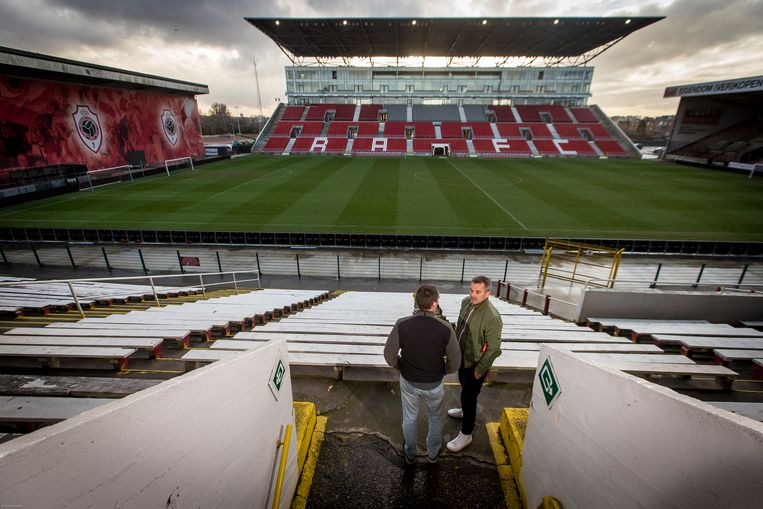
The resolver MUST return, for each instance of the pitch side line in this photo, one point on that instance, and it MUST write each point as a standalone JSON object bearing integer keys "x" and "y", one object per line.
{"x": 486, "y": 194}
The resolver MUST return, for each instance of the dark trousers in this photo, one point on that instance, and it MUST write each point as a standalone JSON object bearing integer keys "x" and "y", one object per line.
{"x": 470, "y": 389}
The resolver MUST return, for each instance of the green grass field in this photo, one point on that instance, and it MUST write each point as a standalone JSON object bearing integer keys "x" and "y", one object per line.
{"x": 498, "y": 197}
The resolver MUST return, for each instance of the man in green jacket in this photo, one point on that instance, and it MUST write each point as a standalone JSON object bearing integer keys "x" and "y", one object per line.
{"x": 479, "y": 337}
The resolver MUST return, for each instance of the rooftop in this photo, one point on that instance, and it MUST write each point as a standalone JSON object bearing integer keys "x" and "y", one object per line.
{"x": 26, "y": 64}
{"x": 447, "y": 37}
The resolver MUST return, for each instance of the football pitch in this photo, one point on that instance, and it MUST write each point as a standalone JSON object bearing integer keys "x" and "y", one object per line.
{"x": 570, "y": 198}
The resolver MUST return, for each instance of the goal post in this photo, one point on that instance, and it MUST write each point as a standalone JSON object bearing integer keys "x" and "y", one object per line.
{"x": 105, "y": 176}
{"x": 168, "y": 161}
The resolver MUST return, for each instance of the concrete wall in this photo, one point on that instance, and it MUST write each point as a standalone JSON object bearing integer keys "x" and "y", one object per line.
{"x": 615, "y": 440}
{"x": 715, "y": 307}
{"x": 204, "y": 439}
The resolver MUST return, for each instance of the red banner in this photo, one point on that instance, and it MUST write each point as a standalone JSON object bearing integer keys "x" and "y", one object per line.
{"x": 44, "y": 123}
{"x": 190, "y": 261}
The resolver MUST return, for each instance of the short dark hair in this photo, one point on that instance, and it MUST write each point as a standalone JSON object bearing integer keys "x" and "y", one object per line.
{"x": 426, "y": 295}
{"x": 482, "y": 279}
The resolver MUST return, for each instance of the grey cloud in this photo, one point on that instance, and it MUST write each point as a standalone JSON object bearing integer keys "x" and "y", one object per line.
{"x": 691, "y": 26}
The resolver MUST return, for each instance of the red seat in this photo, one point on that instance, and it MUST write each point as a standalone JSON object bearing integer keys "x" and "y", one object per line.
{"x": 583, "y": 115}
{"x": 370, "y": 112}
{"x": 293, "y": 113}
{"x": 458, "y": 146}
{"x": 275, "y": 145}
{"x": 422, "y": 146}
{"x": 361, "y": 145}
{"x": 394, "y": 130}
{"x": 569, "y": 131}
{"x": 368, "y": 129}
{"x": 336, "y": 145}
{"x": 339, "y": 129}
{"x": 598, "y": 130}
{"x": 302, "y": 144}
{"x": 611, "y": 147}
{"x": 503, "y": 113}
{"x": 510, "y": 131}
{"x": 538, "y": 130}
{"x": 546, "y": 147}
{"x": 580, "y": 146}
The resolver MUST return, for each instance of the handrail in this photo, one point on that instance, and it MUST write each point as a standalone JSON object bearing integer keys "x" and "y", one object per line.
{"x": 653, "y": 283}
{"x": 526, "y": 292}
{"x": 282, "y": 465}
{"x": 151, "y": 279}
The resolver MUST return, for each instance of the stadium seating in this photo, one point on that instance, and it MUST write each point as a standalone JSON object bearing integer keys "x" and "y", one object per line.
{"x": 447, "y": 112}
{"x": 555, "y": 131}
{"x": 275, "y": 145}
{"x": 547, "y": 147}
{"x": 502, "y": 147}
{"x": 581, "y": 147}
{"x": 741, "y": 142}
{"x": 539, "y": 131}
{"x": 534, "y": 113}
{"x": 503, "y": 114}
{"x": 293, "y": 113}
{"x": 341, "y": 111}
{"x": 455, "y": 129}
{"x": 510, "y": 131}
{"x": 370, "y": 112}
{"x": 611, "y": 147}
{"x": 583, "y": 115}
{"x": 475, "y": 113}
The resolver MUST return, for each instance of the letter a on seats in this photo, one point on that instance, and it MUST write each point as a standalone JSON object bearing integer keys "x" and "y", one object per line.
{"x": 380, "y": 144}
{"x": 320, "y": 144}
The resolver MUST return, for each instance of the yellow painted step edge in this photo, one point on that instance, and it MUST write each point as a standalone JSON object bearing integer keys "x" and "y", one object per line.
{"x": 308, "y": 472}
{"x": 513, "y": 427}
{"x": 505, "y": 472}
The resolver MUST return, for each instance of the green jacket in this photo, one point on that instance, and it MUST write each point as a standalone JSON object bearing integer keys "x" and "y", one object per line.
{"x": 484, "y": 328}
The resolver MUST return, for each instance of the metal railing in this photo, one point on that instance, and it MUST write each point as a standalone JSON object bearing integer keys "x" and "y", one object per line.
{"x": 676, "y": 285}
{"x": 203, "y": 285}
{"x": 527, "y": 293}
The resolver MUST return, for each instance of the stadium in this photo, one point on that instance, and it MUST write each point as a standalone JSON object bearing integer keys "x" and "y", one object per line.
{"x": 377, "y": 175}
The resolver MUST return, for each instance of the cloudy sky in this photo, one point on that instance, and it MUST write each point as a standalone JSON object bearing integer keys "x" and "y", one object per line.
{"x": 208, "y": 41}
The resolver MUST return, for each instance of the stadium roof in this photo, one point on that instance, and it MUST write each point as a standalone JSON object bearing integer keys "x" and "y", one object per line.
{"x": 743, "y": 91}
{"x": 447, "y": 37}
{"x": 25, "y": 64}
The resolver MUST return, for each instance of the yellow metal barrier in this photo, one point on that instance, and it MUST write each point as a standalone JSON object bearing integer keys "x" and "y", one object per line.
{"x": 578, "y": 263}
{"x": 282, "y": 466}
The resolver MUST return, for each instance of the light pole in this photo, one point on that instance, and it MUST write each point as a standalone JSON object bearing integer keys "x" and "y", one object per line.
{"x": 238, "y": 121}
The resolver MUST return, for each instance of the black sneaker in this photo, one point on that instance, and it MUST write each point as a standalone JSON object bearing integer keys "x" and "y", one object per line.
{"x": 432, "y": 460}
{"x": 409, "y": 461}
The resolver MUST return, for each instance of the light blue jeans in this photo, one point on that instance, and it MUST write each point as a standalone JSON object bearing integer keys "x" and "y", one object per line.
{"x": 410, "y": 397}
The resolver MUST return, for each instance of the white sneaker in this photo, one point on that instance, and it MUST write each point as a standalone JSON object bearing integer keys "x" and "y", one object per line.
{"x": 456, "y": 413}
{"x": 459, "y": 442}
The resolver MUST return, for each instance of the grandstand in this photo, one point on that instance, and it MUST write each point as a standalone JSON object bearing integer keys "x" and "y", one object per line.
{"x": 718, "y": 124}
{"x": 498, "y": 111}
{"x": 57, "y": 114}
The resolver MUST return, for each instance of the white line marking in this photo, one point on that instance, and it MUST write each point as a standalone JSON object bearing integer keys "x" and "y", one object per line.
{"x": 259, "y": 177}
{"x": 486, "y": 194}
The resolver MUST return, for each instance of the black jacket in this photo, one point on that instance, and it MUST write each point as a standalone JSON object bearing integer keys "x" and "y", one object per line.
{"x": 427, "y": 345}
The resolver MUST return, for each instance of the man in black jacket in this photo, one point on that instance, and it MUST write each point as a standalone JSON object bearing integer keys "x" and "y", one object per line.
{"x": 428, "y": 350}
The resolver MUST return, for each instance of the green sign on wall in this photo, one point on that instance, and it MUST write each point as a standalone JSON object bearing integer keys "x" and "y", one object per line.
{"x": 278, "y": 375}
{"x": 548, "y": 383}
